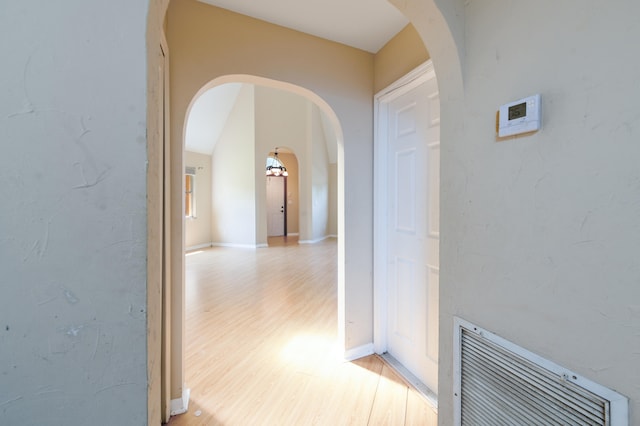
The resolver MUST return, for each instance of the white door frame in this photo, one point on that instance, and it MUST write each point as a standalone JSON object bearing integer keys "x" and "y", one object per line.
{"x": 382, "y": 99}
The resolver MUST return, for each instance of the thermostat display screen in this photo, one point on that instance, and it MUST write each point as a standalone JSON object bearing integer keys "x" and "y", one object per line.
{"x": 517, "y": 111}
{"x": 520, "y": 116}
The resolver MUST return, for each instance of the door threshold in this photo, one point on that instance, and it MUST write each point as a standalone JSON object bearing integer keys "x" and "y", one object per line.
{"x": 411, "y": 380}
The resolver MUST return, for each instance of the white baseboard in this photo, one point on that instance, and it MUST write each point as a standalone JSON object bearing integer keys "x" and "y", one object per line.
{"x": 180, "y": 405}
{"x": 198, "y": 247}
{"x": 293, "y": 234}
{"x": 232, "y": 245}
{"x": 314, "y": 241}
{"x": 359, "y": 352}
{"x": 427, "y": 393}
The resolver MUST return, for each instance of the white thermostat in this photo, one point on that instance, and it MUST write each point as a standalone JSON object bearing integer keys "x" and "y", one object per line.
{"x": 521, "y": 116}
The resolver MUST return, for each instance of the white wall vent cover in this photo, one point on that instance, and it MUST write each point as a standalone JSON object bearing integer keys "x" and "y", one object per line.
{"x": 499, "y": 383}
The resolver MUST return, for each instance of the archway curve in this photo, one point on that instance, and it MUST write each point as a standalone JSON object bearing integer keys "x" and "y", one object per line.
{"x": 275, "y": 84}
{"x": 440, "y": 24}
{"x": 334, "y": 121}
{"x": 326, "y": 109}
{"x": 335, "y": 124}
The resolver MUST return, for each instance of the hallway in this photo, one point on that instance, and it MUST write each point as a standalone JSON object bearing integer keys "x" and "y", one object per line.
{"x": 260, "y": 345}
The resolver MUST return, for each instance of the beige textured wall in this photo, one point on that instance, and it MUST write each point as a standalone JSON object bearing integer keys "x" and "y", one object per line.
{"x": 207, "y": 42}
{"x": 401, "y": 54}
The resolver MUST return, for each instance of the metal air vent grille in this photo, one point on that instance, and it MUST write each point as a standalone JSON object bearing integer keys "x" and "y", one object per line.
{"x": 498, "y": 383}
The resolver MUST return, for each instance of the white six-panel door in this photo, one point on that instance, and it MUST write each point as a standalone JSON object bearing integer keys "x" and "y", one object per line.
{"x": 412, "y": 230}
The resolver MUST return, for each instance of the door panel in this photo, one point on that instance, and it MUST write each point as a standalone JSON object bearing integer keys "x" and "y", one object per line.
{"x": 402, "y": 290}
{"x": 405, "y": 191}
{"x": 413, "y": 187}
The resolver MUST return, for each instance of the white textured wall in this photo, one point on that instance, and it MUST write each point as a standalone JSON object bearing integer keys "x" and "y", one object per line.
{"x": 73, "y": 213}
{"x": 541, "y": 233}
{"x": 332, "y": 226}
{"x": 319, "y": 174}
{"x": 198, "y": 230}
{"x": 233, "y": 215}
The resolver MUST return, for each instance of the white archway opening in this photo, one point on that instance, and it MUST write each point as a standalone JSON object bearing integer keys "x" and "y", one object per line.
{"x": 332, "y": 126}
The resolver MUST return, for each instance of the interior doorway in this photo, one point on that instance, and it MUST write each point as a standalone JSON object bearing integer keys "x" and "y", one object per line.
{"x": 238, "y": 159}
{"x": 276, "y": 206}
{"x": 407, "y": 226}
{"x": 282, "y": 194}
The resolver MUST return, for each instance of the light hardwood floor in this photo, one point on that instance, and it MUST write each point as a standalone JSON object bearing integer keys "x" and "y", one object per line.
{"x": 261, "y": 330}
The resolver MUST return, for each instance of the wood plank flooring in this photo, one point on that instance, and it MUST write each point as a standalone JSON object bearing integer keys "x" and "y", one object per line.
{"x": 261, "y": 330}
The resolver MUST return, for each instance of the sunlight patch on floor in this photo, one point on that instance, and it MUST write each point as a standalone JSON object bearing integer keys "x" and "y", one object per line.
{"x": 308, "y": 350}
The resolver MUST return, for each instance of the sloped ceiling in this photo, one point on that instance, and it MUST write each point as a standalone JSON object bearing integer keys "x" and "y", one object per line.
{"x": 209, "y": 114}
{"x": 208, "y": 117}
{"x": 364, "y": 24}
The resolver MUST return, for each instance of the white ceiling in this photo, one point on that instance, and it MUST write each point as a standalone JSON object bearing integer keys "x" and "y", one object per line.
{"x": 208, "y": 116}
{"x": 364, "y": 24}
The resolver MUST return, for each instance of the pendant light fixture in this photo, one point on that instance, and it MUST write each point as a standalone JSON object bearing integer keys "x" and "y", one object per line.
{"x": 275, "y": 166}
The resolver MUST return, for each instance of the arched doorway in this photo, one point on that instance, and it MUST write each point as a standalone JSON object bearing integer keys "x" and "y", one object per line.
{"x": 282, "y": 171}
{"x": 238, "y": 154}
{"x": 441, "y": 27}
{"x": 286, "y": 115}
